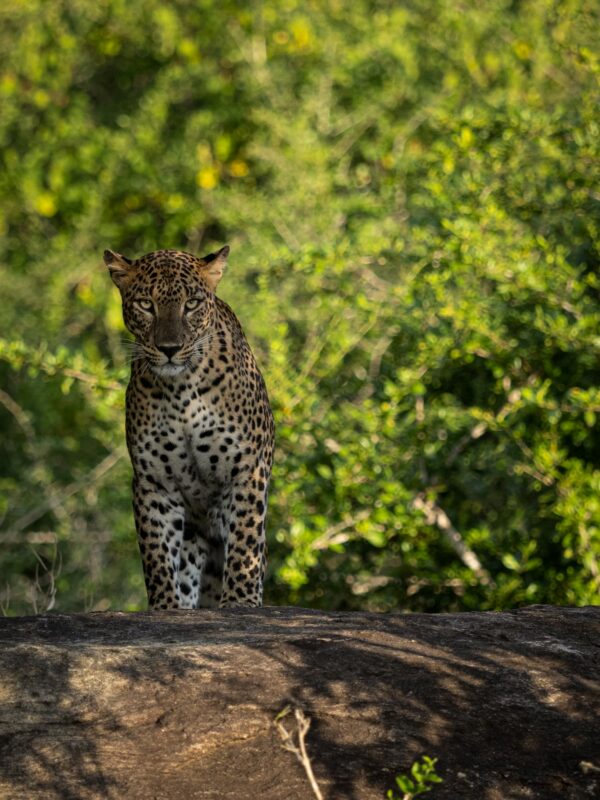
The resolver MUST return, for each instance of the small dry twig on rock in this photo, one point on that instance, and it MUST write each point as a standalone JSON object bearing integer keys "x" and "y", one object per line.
{"x": 299, "y": 749}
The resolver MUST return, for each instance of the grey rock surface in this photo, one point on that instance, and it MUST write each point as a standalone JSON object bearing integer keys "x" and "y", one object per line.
{"x": 163, "y": 705}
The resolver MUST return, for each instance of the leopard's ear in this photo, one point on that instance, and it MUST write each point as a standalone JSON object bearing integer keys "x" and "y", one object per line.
{"x": 120, "y": 267}
{"x": 213, "y": 265}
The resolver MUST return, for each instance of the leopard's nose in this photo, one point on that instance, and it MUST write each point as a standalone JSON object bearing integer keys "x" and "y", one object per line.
{"x": 168, "y": 349}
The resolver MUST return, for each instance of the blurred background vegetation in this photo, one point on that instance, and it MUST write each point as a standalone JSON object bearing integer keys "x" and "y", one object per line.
{"x": 412, "y": 195}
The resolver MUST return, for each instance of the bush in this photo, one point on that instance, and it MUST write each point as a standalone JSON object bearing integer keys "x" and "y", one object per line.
{"x": 411, "y": 196}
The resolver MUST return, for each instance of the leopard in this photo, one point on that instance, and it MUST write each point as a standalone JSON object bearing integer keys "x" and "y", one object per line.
{"x": 199, "y": 432}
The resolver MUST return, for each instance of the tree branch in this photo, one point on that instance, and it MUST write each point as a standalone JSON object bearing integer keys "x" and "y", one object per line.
{"x": 56, "y": 500}
{"x": 435, "y": 515}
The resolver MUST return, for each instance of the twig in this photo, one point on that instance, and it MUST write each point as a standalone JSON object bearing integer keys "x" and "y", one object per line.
{"x": 348, "y": 142}
{"x": 335, "y": 533}
{"x": 5, "y": 602}
{"x": 377, "y": 353}
{"x": 286, "y": 234}
{"x": 435, "y": 515}
{"x": 338, "y": 359}
{"x": 93, "y": 380}
{"x": 299, "y": 749}
{"x": 483, "y": 427}
{"x": 18, "y": 413}
{"x": 53, "y": 571}
{"x": 475, "y": 433}
{"x": 589, "y": 550}
{"x": 55, "y": 501}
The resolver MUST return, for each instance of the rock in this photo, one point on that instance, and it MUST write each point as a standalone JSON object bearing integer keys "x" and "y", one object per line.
{"x": 163, "y": 705}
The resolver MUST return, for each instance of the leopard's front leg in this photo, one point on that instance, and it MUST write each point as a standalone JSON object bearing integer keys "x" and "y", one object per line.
{"x": 245, "y": 548}
{"x": 159, "y": 520}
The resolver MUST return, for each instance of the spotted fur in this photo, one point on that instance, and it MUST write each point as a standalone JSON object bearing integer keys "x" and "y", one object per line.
{"x": 199, "y": 433}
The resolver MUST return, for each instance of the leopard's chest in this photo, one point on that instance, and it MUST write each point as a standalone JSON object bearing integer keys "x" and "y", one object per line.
{"x": 192, "y": 438}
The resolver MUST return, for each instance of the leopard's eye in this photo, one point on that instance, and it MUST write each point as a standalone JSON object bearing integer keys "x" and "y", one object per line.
{"x": 192, "y": 304}
{"x": 145, "y": 305}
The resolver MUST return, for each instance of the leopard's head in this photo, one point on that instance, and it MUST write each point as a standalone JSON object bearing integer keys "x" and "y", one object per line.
{"x": 168, "y": 304}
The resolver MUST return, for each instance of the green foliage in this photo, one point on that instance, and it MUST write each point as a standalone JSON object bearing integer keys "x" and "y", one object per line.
{"x": 411, "y": 196}
{"x": 422, "y": 774}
